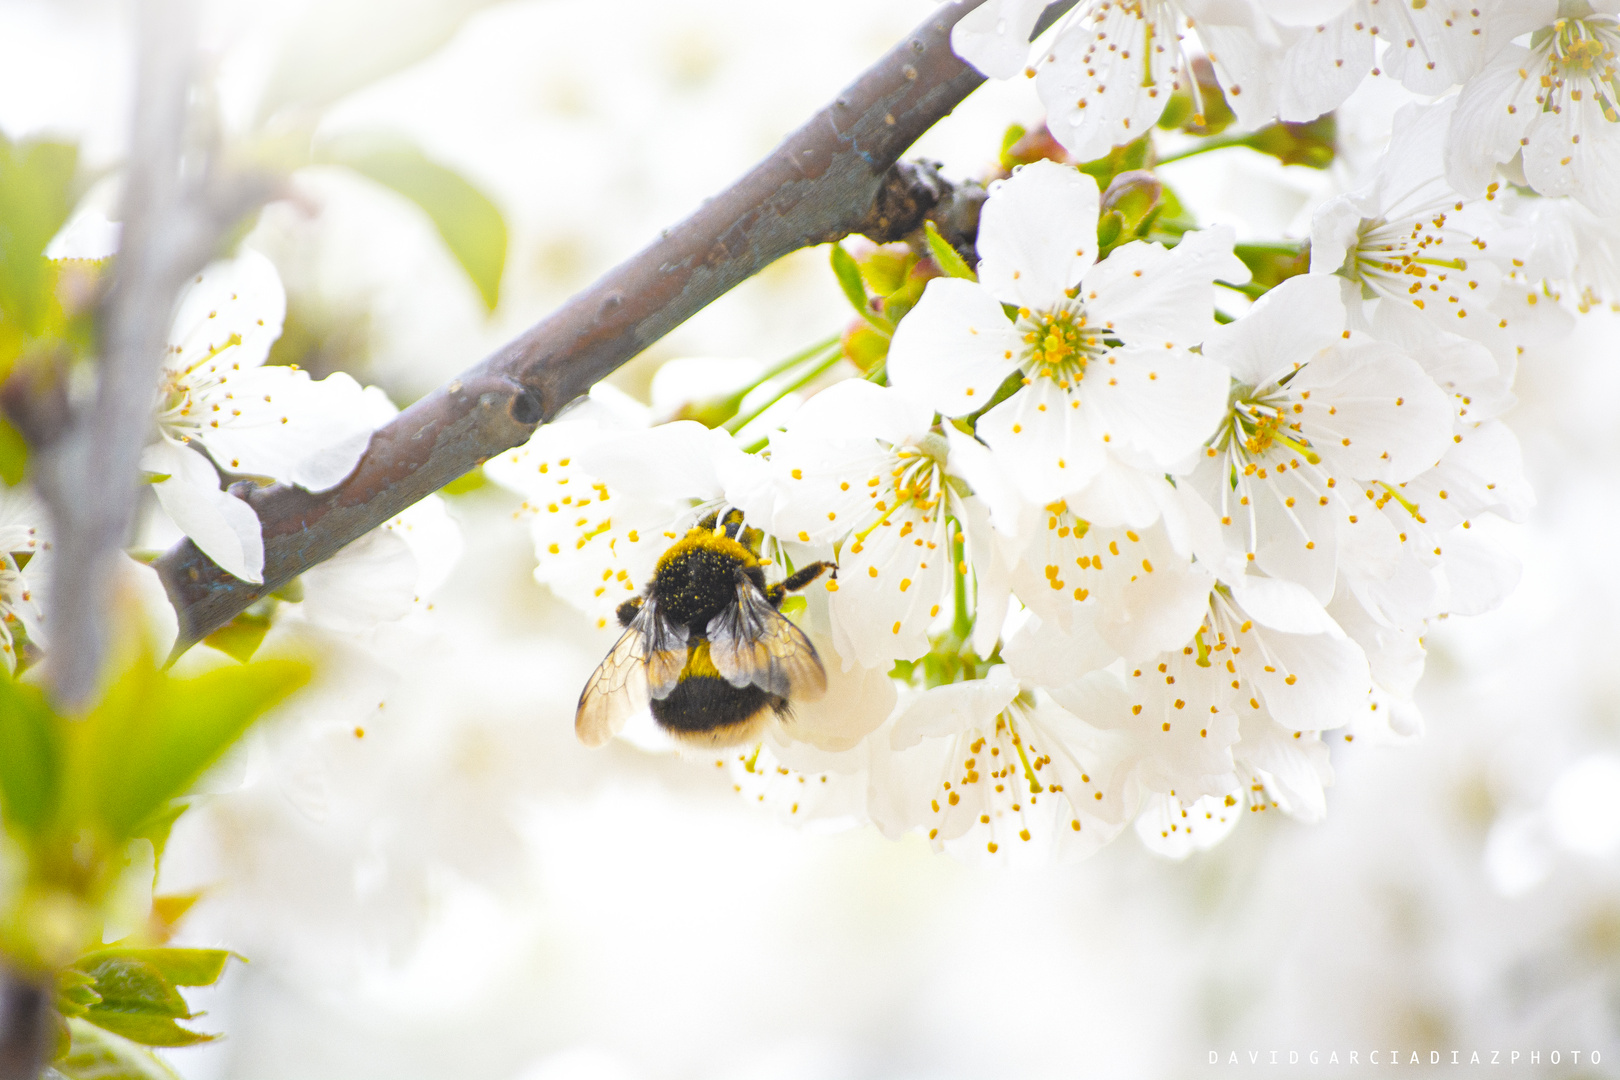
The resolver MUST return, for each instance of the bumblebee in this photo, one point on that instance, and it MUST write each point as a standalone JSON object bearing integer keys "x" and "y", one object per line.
{"x": 706, "y": 645}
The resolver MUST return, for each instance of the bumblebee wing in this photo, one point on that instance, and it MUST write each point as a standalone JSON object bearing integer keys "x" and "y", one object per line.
{"x": 649, "y": 655}
{"x": 751, "y": 642}
{"x": 616, "y": 690}
{"x": 665, "y": 650}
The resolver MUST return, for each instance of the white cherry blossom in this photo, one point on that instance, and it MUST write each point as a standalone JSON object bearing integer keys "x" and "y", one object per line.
{"x": 986, "y": 768}
{"x": 1554, "y": 103}
{"x": 1406, "y": 238}
{"x": 1101, "y": 349}
{"x": 1135, "y": 589}
{"x": 861, "y": 470}
{"x": 1315, "y": 413}
{"x": 1108, "y": 68}
{"x": 1431, "y": 46}
{"x": 221, "y": 408}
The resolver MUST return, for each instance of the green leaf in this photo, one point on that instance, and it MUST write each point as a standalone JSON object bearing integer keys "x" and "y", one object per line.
{"x": 949, "y": 261}
{"x": 471, "y": 224}
{"x": 138, "y": 998}
{"x": 31, "y": 755}
{"x": 75, "y": 991}
{"x": 145, "y": 1028}
{"x": 339, "y": 46}
{"x": 36, "y": 180}
{"x": 101, "y": 1055}
{"x": 152, "y": 736}
{"x": 130, "y": 985}
{"x": 849, "y": 279}
{"x": 13, "y": 454}
{"x": 181, "y": 967}
{"x": 156, "y": 828}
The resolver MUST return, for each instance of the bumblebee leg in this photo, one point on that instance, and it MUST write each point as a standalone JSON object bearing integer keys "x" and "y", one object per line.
{"x": 709, "y": 521}
{"x": 627, "y": 610}
{"x": 732, "y": 522}
{"x": 798, "y": 580}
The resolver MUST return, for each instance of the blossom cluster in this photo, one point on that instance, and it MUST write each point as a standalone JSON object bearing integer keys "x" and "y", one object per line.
{"x": 1125, "y": 535}
{"x": 224, "y": 419}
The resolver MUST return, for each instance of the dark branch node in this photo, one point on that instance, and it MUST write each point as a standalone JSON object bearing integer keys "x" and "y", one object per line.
{"x": 909, "y": 191}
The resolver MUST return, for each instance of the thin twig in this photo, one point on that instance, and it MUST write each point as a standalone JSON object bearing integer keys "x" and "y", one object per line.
{"x": 834, "y": 176}
{"x": 87, "y": 475}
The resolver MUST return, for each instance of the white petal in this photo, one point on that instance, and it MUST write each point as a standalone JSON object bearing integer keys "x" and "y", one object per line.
{"x": 995, "y": 36}
{"x": 1493, "y": 112}
{"x": 1167, "y": 827}
{"x": 1153, "y": 296}
{"x": 892, "y": 589}
{"x": 1048, "y": 447}
{"x": 954, "y": 349}
{"x": 1154, "y": 406}
{"x": 370, "y": 581}
{"x": 1333, "y": 234}
{"x": 1157, "y": 610}
{"x": 222, "y": 526}
{"x": 860, "y": 411}
{"x": 1317, "y": 681}
{"x": 954, "y": 708}
{"x": 1326, "y": 60}
{"x": 1373, "y": 413}
{"x": 667, "y": 462}
{"x": 277, "y": 422}
{"x": 978, "y": 465}
{"x": 1282, "y": 605}
{"x": 1103, "y": 81}
{"x": 1480, "y": 572}
{"x": 229, "y": 316}
{"x": 1038, "y": 234}
{"x": 1285, "y": 327}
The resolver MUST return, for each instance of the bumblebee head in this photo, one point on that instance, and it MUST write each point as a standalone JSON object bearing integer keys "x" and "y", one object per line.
{"x": 729, "y": 523}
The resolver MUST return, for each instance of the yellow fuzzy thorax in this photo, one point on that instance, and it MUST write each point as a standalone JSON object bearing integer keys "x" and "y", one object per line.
{"x": 701, "y": 539}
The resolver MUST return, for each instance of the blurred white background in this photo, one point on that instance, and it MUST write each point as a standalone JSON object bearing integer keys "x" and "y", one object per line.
{"x": 464, "y": 891}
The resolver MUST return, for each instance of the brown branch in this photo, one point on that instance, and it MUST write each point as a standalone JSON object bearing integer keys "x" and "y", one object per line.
{"x": 834, "y": 176}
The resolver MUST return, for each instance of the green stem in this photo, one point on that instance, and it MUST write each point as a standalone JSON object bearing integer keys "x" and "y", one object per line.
{"x": 1216, "y": 142}
{"x": 733, "y": 402}
{"x": 820, "y": 367}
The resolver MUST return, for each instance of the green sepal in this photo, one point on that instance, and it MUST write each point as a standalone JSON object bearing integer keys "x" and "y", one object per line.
{"x": 1312, "y": 144}
{"x": 844, "y": 268}
{"x": 946, "y": 257}
{"x": 1009, "y": 139}
{"x": 75, "y": 991}
{"x": 95, "y": 1054}
{"x": 241, "y": 637}
{"x": 1133, "y": 155}
{"x": 181, "y": 967}
{"x": 866, "y": 347}
{"x": 1272, "y": 264}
